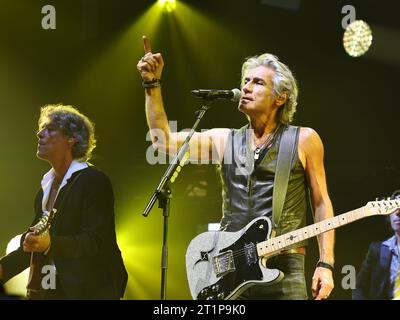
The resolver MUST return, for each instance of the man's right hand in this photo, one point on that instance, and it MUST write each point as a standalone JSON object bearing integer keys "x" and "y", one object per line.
{"x": 207, "y": 146}
{"x": 150, "y": 66}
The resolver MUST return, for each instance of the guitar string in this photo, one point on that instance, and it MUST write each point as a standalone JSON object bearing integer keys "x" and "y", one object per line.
{"x": 241, "y": 252}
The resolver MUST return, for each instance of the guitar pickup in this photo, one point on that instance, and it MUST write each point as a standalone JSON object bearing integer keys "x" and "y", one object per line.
{"x": 223, "y": 263}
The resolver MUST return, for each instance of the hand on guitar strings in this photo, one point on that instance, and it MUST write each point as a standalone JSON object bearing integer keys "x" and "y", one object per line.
{"x": 33, "y": 243}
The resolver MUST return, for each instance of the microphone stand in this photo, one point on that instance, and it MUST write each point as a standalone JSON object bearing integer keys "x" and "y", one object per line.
{"x": 163, "y": 194}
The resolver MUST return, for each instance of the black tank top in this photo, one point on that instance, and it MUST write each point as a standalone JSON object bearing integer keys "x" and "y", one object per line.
{"x": 247, "y": 187}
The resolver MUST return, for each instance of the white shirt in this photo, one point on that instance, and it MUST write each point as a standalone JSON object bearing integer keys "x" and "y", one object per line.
{"x": 48, "y": 179}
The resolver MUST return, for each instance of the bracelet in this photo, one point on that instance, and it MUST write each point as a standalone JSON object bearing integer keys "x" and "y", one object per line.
{"x": 151, "y": 84}
{"x": 325, "y": 265}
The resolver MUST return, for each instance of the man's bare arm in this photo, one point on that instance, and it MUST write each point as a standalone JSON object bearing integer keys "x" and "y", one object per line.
{"x": 312, "y": 155}
{"x": 204, "y": 145}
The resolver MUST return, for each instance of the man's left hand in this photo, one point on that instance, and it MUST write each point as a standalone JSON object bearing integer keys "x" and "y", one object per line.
{"x": 322, "y": 283}
{"x": 34, "y": 243}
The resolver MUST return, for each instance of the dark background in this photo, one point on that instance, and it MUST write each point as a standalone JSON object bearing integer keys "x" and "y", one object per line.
{"x": 90, "y": 61}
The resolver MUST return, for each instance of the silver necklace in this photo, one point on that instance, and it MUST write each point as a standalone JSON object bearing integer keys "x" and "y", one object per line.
{"x": 265, "y": 144}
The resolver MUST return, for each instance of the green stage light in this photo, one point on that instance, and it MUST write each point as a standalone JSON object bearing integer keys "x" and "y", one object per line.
{"x": 168, "y": 5}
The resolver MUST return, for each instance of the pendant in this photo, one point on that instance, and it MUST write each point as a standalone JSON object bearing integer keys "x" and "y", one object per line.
{"x": 256, "y": 153}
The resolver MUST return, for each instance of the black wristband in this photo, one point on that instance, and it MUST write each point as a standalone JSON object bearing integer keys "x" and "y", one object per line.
{"x": 325, "y": 265}
{"x": 151, "y": 84}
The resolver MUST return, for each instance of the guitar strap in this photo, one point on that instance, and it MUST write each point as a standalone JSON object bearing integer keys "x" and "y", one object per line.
{"x": 287, "y": 151}
{"x": 39, "y": 259}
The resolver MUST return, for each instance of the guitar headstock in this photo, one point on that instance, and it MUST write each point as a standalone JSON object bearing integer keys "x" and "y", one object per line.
{"x": 382, "y": 207}
{"x": 44, "y": 223}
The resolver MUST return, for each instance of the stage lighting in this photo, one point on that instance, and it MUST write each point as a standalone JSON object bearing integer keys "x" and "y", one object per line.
{"x": 16, "y": 285}
{"x": 357, "y": 38}
{"x": 168, "y": 5}
{"x": 13, "y": 244}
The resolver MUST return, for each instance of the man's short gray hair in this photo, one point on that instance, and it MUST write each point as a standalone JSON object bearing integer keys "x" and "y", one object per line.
{"x": 73, "y": 124}
{"x": 283, "y": 82}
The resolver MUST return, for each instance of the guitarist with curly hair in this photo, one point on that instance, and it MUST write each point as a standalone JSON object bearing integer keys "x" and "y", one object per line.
{"x": 73, "y": 233}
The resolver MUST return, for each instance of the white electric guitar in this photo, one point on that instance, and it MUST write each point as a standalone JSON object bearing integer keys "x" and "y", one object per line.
{"x": 221, "y": 265}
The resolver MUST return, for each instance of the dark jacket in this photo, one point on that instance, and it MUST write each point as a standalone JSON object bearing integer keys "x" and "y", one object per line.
{"x": 373, "y": 277}
{"x": 83, "y": 240}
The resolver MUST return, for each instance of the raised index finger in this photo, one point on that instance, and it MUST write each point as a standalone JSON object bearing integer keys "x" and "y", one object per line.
{"x": 146, "y": 44}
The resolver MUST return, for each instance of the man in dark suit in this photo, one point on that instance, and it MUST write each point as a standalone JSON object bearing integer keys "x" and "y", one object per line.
{"x": 378, "y": 278}
{"x": 80, "y": 248}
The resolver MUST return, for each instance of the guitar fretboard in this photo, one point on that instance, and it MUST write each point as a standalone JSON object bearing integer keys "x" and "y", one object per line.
{"x": 279, "y": 243}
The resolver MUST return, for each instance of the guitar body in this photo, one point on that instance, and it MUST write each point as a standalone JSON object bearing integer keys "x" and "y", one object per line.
{"x": 222, "y": 265}
{"x": 38, "y": 259}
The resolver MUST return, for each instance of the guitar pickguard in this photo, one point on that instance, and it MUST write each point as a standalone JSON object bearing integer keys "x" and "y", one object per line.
{"x": 221, "y": 265}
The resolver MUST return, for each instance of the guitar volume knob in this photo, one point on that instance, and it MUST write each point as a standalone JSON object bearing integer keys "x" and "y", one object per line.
{"x": 215, "y": 288}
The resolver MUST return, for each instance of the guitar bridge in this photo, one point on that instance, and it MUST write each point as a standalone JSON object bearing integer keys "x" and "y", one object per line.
{"x": 223, "y": 263}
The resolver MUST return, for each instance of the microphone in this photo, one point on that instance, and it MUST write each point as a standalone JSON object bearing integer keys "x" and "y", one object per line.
{"x": 233, "y": 95}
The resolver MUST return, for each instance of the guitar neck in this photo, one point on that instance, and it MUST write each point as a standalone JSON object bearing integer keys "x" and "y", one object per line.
{"x": 279, "y": 243}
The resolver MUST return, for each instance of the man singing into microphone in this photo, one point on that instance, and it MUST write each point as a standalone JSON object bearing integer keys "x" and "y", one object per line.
{"x": 268, "y": 99}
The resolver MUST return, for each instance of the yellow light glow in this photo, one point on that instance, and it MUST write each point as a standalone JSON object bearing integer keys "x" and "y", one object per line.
{"x": 139, "y": 239}
{"x": 168, "y": 5}
{"x": 16, "y": 285}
